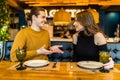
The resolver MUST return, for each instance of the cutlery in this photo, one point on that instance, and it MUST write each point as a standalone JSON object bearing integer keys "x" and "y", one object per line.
{"x": 17, "y": 65}
{"x": 54, "y": 65}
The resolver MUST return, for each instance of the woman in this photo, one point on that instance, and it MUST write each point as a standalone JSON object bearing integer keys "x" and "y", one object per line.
{"x": 88, "y": 39}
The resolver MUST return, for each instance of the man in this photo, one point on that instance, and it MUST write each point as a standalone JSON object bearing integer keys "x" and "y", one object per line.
{"x": 34, "y": 39}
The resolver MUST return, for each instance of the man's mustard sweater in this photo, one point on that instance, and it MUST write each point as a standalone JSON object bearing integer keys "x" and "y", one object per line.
{"x": 32, "y": 40}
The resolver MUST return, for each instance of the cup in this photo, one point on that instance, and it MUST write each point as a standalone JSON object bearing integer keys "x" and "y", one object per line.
{"x": 20, "y": 55}
{"x": 104, "y": 56}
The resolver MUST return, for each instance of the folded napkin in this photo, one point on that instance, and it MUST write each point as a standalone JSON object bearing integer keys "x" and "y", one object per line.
{"x": 49, "y": 67}
{"x": 74, "y": 67}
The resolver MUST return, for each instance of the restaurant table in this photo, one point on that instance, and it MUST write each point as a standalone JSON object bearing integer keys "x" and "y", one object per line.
{"x": 61, "y": 74}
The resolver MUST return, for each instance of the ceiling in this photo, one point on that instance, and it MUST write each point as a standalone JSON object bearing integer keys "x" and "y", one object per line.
{"x": 22, "y": 4}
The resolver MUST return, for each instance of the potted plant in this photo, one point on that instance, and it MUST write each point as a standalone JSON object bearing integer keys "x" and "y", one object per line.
{"x": 4, "y": 23}
{"x": 4, "y": 20}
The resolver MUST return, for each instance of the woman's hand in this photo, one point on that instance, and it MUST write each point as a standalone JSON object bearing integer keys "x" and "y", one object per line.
{"x": 75, "y": 38}
{"x": 110, "y": 64}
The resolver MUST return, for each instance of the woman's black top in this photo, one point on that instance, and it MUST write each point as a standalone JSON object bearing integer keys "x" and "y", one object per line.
{"x": 86, "y": 49}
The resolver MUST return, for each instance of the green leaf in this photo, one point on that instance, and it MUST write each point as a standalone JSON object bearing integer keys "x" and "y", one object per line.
{"x": 4, "y": 20}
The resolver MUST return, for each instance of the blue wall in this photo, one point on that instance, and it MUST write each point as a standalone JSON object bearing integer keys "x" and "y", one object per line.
{"x": 22, "y": 20}
{"x": 109, "y": 22}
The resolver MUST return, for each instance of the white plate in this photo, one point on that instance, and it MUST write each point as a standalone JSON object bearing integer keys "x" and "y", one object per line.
{"x": 90, "y": 64}
{"x": 36, "y": 63}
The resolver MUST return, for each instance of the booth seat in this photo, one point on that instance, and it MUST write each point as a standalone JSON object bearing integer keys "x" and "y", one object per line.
{"x": 114, "y": 49}
{"x": 66, "y": 56}
{"x": 7, "y": 48}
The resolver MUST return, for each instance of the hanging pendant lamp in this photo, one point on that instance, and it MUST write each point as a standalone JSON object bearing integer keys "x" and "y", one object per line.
{"x": 61, "y": 17}
{"x": 95, "y": 14}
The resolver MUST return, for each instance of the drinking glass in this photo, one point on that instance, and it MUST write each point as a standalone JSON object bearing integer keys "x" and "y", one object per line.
{"x": 21, "y": 54}
{"x": 104, "y": 58}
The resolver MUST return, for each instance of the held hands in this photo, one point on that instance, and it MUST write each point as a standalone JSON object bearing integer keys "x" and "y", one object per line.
{"x": 110, "y": 64}
{"x": 53, "y": 49}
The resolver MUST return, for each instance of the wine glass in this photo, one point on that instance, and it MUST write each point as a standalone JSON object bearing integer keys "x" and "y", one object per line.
{"x": 104, "y": 58}
{"x": 21, "y": 54}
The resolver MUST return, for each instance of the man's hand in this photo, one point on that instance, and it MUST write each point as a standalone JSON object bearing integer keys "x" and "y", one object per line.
{"x": 53, "y": 49}
{"x": 42, "y": 50}
{"x": 56, "y": 49}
